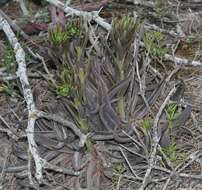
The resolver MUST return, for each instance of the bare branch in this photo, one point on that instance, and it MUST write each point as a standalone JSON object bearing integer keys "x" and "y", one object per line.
{"x": 156, "y": 139}
{"x": 182, "y": 61}
{"x": 94, "y": 15}
{"x": 22, "y": 74}
{"x": 23, "y": 7}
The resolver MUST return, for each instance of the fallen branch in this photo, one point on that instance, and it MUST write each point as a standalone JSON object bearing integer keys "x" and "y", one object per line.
{"x": 181, "y": 61}
{"x": 156, "y": 140}
{"x": 14, "y": 26}
{"x": 94, "y": 15}
{"x": 23, "y": 7}
{"x": 21, "y": 73}
{"x": 169, "y": 32}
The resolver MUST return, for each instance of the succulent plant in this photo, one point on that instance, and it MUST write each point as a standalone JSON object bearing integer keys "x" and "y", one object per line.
{"x": 122, "y": 35}
{"x": 103, "y": 92}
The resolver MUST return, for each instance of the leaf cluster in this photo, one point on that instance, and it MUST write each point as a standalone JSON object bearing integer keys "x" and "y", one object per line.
{"x": 59, "y": 35}
{"x": 154, "y": 44}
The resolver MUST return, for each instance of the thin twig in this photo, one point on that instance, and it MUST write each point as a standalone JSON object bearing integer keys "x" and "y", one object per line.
{"x": 9, "y": 132}
{"x": 66, "y": 123}
{"x": 4, "y": 166}
{"x": 128, "y": 163}
{"x": 166, "y": 183}
{"x": 156, "y": 140}
{"x": 46, "y": 69}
